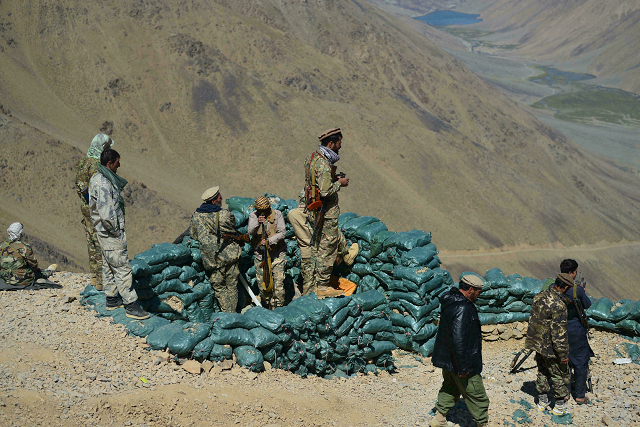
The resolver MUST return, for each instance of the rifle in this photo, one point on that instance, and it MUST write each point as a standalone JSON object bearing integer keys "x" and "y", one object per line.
{"x": 580, "y": 308}
{"x": 237, "y": 237}
{"x": 317, "y": 226}
{"x": 515, "y": 364}
{"x": 267, "y": 277}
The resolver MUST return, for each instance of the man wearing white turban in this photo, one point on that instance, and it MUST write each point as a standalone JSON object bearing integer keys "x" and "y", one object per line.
{"x": 18, "y": 266}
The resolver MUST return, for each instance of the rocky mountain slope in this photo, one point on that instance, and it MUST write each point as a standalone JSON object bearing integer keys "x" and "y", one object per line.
{"x": 233, "y": 93}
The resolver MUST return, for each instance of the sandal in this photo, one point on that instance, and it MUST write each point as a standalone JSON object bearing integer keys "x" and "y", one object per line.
{"x": 584, "y": 401}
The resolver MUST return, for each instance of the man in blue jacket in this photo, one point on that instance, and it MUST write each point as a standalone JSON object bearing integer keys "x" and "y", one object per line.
{"x": 458, "y": 351}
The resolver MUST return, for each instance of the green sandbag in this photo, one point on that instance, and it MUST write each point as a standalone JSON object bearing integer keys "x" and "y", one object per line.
{"x": 202, "y": 350}
{"x": 405, "y": 342}
{"x": 621, "y": 309}
{"x": 368, "y": 300}
{"x": 601, "y": 309}
{"x": 270, "y": 353}
{"x": 374, "y": 326}
{"x": 384, "y": 336}
{"x": 425, "y": 289}
{"x": 417, "y": 275}
{"x": 367, "y": 232}
{"x": 629, "y": 326}
{"x": 197, "y": 293}
{"x": 487, "y": 319}
{"x": 346, "y": 217}
{"x": 353, "y": 278}
{"x": 419, "y": 256}
{"x": 408, "y": 240}
{"x": 220, "y": 352}
{"x": 244, "y": 205}
{"x": 416, "y": 325}
{"x": 528, "y": 286}
{"x": 336, "y": 320}
{"x": 426, "y": 332}
{"x": 173, "y": 316}
{"x": 412, "y": 297}
{"x": 376, "y": 348}
{"x": 512, "y": 317}
{"x": 176, "y": 254}
{"x": 498, "y": 294}
{"x": 196, "y": 255}
{"x": 383, "y": 278}
{"x": 517, "y": 306}
{"x": 139, "y": 268}
{"x": 377, "y": 242}
{"x": 263, "y": 337}
{"x": 182, "y": 342}
{"x": 435, "y": 262}
{"x": 633, "y": 351}
{"x": 314, "y": 309}
{"x": 268, "y": 319}
{"x": 159, "y": 338}
{"x": 411, "y": 286}
{"x": 361, "y": 269}
{"x": 172, "y": 285}
{"x": 90, "y": 291}
{"x": 249, "y": 357}
{"x": 418, "y": 312}
{"x": 194, "y": 314}
{"x": 345, "y": 327}
{"x": 171, "y": 272}
{"x": 157, "y": 304}
{"x": 351, "y": 227}
{"x": 293, "y": 316}
{"x": 496, "y": 278}
{"x": 367, "y": 283}
{"x": 602, "y": 324}
{"x": 153, "y": 256}
{"x": 157, "y": 268}
{"x": 426, "y": 349}
{"x": 397, "y": 285}
{"x": 240, "y": 218}
{"x": 634, "y": 314}
{"x": 145, "y": 294}
{"x": 155, "y": 279}
{"x": 188, "y": 273}
{"x": 399, "y": 320}
{"x": 224, "y": 320}
{"x": 336, "y": 304}
{"x": 232, "y": 337}
{"x": 207, "y": 306}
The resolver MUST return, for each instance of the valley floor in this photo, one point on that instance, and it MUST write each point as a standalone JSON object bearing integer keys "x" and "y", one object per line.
{"x": 61, "y": 366}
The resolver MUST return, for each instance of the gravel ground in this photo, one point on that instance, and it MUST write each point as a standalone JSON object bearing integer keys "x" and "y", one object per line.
{"x": 61, "y": 366}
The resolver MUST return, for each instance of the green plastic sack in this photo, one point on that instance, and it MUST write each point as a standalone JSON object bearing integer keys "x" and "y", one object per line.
{"x": 397, "y": 285}
{"x": 197, "y": 293}
{"x": 426, "y": 332}
{"x": 408, "y": 240}
{"x": 196, "y": 255}
{"x": 153, "y": 256}
{"x": 336, "y": 320}
{"x": 368, "y": 300}
{"x": 374, "y": 326}
{"x": 412, "y": 297}
{"x": 159, "y": 338}
{"x": 293, "y": 316}
{"x": 351, "y": 227}
{"x": 517, "y": 306}
{"x": 314, "y": 309}
{"x": 418, "y": 312}
{"x": 377, "y": 242}
{"x": 345, "y": 327}
{"x": 263, "y": 337}
{"x": 224, "y": 320}
{"x": 362, "y": 269}
{"x": 207, "y": 306}
{"x": 172, "y": 285}
{"x": 496, "y": 278}
{"x": 183, "y": 341}
{"x": 527, "y": 287}
{"x": 194, "y": 314}
{"x": 346, "y": 217}
{"x": 512, "y": 317}
{"x": 249, "y": 357}
{"x": 188, "y": 273}
{"x": 426, "y": 349}
{"x": 405, "y": 342}
{"x": 367, "y": 232}
{"x": 417, "y": 275}
{"x": 634, "y": 314}
{"x": 270, "y": 353}
{"x": 268, "y": 319}
{"x": 336, "y": 304}
{"x": 244, "y": 205}
{"x": 157, "y": 268}
{"x": 601, "y": 309}
{"x": 621, "y": 309}
{"x": 171, "y": 272}
{"x": 145, "y": 294}
{"x": 629, "y": 326}
{"x": 176, "y": 254}
{"x": 139, "y": 268}
{"x": 376, "y": 348}
{"x": 220, "y": 352}
{"x": 419, "y": 256}
{"x": 487, "y": 319}
{"x": 383, "y": 278}
{"x": 142, "y": 328}
{"x": 602, "y": 324}
{"x": 240, "y": 218}
{"x": 172, "y": 316}
{"x": 202, "y": 350}
{"x": 434, "y": 282}
{"x": 232, "y": 337}
{"x": 367, "y": 283}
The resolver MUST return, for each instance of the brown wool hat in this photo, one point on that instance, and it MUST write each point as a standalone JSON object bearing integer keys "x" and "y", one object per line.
{"x": 473, "y": 280}
{"x": 210, "y": 194}
{"x": 328, "y": 132}
{"x": 566, "y": 279}
{"x": 261, "y": 203}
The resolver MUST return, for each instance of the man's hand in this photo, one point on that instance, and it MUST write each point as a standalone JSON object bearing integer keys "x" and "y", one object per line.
{"x": 564, "y": 361}
{"x": 261, "y": 219}
{"x": 343, "y": 182}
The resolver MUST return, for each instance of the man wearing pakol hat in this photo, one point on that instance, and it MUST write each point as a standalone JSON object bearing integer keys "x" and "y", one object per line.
{"x": 458, "y": 351}
{"x": 18, "y": 266}
{"x": 547, "y": 336}
{"x": 107, "y": 209}
{"x": 86, "y": 167}
{"x": 219, "y": 256}
{"x": 274, "y": 226}
{"x": 322, "y": 183}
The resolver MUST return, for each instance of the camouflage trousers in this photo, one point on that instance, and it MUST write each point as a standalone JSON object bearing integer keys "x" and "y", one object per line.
{"x": 552, "y": 372}
{"x": 117, "y": 275}
{"x": 95, "y": 254}
{"x": 324, "y": 253}
{"x": 224, "y": 281}
{"x": 274, "y": 298}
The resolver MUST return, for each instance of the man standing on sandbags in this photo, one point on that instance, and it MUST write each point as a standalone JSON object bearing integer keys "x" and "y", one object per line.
{"x": 547, "y": 336}
{"x": 458, "y": 351}
{"x": 219, "y": 256}
{"x": 86, "y": 167}
{"x": 106, "y": 206}
{"x": 321, "y": 200}
{"x": 579, "y": 349}
{"x": 273, "y": 223}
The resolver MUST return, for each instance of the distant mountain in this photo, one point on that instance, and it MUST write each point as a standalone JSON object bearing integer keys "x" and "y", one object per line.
{"x": 234, "y": 92}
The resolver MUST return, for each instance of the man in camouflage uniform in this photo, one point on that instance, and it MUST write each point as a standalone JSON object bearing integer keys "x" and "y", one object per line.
{"x": 85, "y": 169}
{"x": 547, "y": 336}
{"x": 106, "y": 207}
{"x": 303, "y": 229}
{"x": 273, "y": 222}
{"x": 18, "y": 267}
{"x": 320, "y": 174}
{"x": 219, "y": 256}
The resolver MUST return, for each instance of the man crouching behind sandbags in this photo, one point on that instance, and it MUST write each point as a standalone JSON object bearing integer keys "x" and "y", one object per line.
{"x": 106, "y": 207}
{"x": 219, "y": 256}
{"x": 547, "y": 336}
{"x": 458, "y": 351}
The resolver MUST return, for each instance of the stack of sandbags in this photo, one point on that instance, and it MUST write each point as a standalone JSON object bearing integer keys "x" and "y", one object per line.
{"x": 622, "y": 316}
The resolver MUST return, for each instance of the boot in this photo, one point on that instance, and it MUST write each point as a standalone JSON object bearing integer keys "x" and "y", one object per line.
{"x": 114, "y": 302}
{"x": 95, "y": 284}
{"x": 543, "y": 403}
{"x": 438, "y": 420}
{"x": 560, "y": 408}
{"x": 350, "y": 257}
{"x": 134, "y": 311}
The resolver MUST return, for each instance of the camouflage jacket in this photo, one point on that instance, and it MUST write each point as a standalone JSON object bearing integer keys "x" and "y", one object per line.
{"x": 547, "y": 333}
{"x": 18, "y": 266}
{"x": 85, "y": 169}
{"x": 106, "y": 215}
{"x": 324, "y": 180}
{"x": 207, "y": 228}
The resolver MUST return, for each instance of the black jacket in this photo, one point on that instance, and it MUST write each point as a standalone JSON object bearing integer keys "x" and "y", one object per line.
{"x": 458, "y": 346}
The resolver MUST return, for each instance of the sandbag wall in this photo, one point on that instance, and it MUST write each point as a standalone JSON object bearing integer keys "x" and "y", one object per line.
{"x": 622, "y": 317}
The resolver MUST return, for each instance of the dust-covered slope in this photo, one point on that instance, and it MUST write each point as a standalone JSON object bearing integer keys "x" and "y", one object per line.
{"x": 234, "y": 93}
